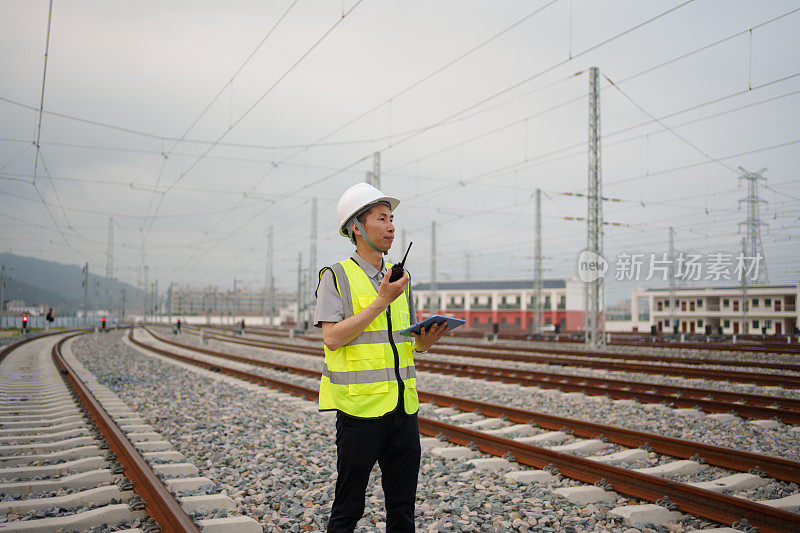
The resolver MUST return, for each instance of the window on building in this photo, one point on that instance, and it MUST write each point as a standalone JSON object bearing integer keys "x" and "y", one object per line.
{"x": 666, "y": 303}
{"x": 503, "y": 300}
{"x": 767, "y": 302}
{"x": 726, "y": 323}
{"x": 754, "y": 302}
{"x": 726, "y": 303}
{"x": 700, "y": 323}
{"x": 691, "y": 306}
{"x": 755, "y": 324}
{"x": 547, "y": 320}
{"x": 666, "y": 323}
{"x": 659, "y": 305}
{"x": 736, "y": 305}
{"x": 768, "y": 323}
{"x": 699, "y": 303}
{"x": 547, "y": 303}
{"x": 683, "y": 306}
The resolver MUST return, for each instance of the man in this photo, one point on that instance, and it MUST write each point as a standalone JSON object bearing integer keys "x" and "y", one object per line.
{"x": 368, "y": 376}
{"x": 48, "y": 320}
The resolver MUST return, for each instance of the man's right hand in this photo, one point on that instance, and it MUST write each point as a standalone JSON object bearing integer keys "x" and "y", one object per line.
{"x": 389, "y": 291}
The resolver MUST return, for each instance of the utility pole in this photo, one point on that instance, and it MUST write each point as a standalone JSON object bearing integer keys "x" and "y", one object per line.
{"x": 155, "y": 300}
{"x": 206, "y": 309}
{"x": 754, "y": 246}
{"x": 109, "y": 264}
{"x": 2, "y": 291}
{"x": 434, "y": 295}
{"x": 122, "y": 293}
{"x": 235, "y": 300}
{"x": 85, "y": 285}
{"x": 745, "y": 328}
{"x": 537, "y": 266}
{"x": 217, "y": 306}
{"x": 96, "y": 295}
{"x": 312, "y": 256}
{"x": 673, "y": 301}
{"x": 169, "y": 303}
{"x": 376, "y": 169}
{"x": 271, "y": 277}
{"x": 299, "y": 286}
{"x": 370, "y": 178}
{"x": 146, "y": 293}
{"x": 594, "y": 296}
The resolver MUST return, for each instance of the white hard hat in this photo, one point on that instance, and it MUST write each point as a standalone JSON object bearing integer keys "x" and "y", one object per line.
{"x": 356, "y": 199}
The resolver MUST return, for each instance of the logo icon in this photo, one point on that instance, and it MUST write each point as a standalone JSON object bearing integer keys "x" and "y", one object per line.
{"x": 591, "y": 266}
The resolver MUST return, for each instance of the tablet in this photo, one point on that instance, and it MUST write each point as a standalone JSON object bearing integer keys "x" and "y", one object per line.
{"x": 452, "y": 323}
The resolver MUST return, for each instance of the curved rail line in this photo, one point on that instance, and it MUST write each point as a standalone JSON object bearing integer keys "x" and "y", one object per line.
{"x": 787, "y": 349}
{"x": 718, "y": 507}
{"x": 648, "y": 364}
{"x": 742, "y": 404}
{"x": 160, "y": 504}
{"x": 716, "y": 455}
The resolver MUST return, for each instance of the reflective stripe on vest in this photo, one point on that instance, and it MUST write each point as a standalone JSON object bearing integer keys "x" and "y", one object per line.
{"x": 360, "y": 377}
{"x": 354, "y": 377}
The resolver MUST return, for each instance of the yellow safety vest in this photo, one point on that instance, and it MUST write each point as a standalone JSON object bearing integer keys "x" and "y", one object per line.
{"x": 362, "y": 377}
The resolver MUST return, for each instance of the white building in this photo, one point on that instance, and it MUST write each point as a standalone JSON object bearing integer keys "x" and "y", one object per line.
{"x": 770, "y": 309}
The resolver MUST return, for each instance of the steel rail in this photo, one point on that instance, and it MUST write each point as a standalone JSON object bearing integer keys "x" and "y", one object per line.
{"x": 745, "y": 405}
{"x": 765, "y": 346}
{"x": 8, "y": 348}
{"x": 716, "y": 455}
{"x": 758, "y": 378}
{"x": 718, "y": 507}
{"x": 702, "y": 399}
{"x": 633, "y": 357}
{"x": 583, "y": 359}
{"x": 161, "y": 505}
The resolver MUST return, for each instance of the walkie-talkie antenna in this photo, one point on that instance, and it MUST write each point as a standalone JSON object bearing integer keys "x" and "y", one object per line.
{"x": 403, "y": 262}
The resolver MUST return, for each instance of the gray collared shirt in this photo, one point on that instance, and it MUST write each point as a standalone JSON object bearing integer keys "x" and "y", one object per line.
{"x": 330, "y": 307}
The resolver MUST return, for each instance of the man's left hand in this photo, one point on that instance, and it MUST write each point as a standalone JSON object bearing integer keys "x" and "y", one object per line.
{"x": 423, "y": 341}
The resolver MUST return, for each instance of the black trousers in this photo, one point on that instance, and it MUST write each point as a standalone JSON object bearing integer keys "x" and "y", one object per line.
{"x": 393, "y": 441}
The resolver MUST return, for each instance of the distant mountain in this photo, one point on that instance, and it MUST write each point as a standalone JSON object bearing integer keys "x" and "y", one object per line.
{"x": 57, "y": 285}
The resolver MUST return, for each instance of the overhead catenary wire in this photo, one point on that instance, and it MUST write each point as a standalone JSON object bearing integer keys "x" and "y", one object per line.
{"x": 500, "y": 93}
{"x": 495, "y": 95}
{"x": 393, "y": 97}
{"x": 285, "y": 207}
{"x": 252, "y": 106}
{"x": 41, "y": 100}
{"x": 229, "y": 84}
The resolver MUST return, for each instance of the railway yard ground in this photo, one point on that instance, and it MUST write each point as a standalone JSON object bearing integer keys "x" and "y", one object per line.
{"x": 510, "y": 442}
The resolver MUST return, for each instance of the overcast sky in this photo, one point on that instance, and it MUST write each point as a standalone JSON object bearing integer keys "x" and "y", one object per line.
{"x": 198, "y": 125}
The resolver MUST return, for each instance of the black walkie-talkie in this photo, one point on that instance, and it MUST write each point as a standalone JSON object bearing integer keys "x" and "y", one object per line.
{"x": 397, "y": 269}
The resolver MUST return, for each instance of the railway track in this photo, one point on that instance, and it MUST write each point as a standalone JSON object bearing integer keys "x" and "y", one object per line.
{"x": 703, "y": 498}
{"x": 647, "y": 364}
{"x": 750, "y": 343}
{"x": 767, "y": 347}
{"x": 754, "y": 406}
{"x": 74, "y": 457}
